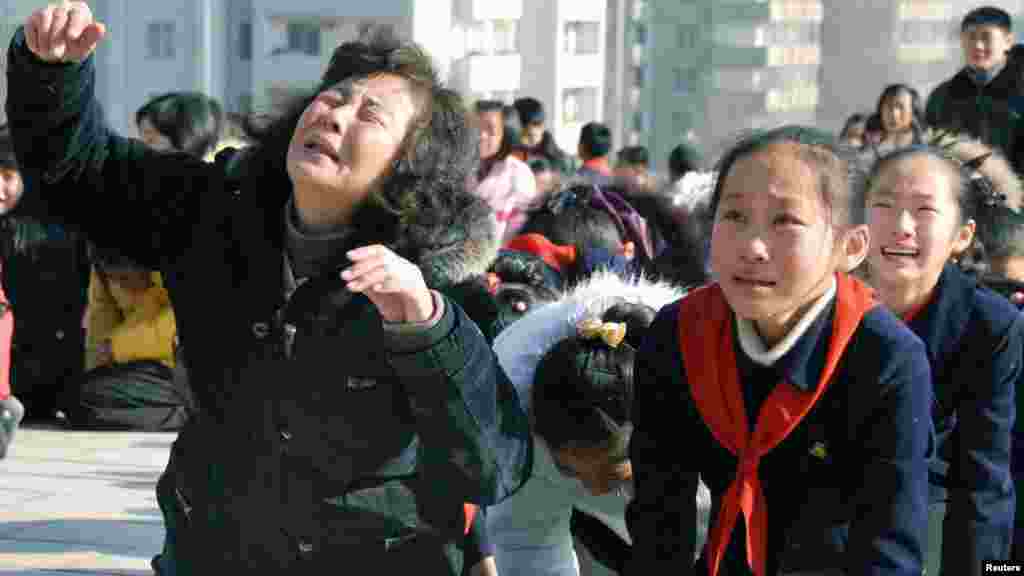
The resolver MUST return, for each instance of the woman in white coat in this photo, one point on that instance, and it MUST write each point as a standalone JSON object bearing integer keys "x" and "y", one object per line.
{"x": 572, "y": 364}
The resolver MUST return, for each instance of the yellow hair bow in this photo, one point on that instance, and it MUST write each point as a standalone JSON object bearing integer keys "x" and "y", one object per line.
{"x": 611, "y": 332}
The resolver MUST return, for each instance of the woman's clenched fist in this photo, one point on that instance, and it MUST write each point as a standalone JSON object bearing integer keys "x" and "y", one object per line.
{"x": 63, "y": 32}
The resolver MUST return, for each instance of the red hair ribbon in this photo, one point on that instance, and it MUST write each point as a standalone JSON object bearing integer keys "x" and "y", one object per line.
{"x": 555, "y": 255}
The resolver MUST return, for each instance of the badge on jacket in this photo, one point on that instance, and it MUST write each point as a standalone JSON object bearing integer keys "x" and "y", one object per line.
{"x": 359, "y": 383}
{"x": 818, "y": 450}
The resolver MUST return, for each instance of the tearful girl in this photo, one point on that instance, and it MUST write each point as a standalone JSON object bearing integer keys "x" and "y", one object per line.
{"x": 921, "y": 204}
{"x": 802, "y": 404}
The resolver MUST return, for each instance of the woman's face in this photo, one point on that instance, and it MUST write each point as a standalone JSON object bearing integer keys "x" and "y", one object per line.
{"x": 915, "y": 223}
{"x": 345, "y": 142}
{"x": 492, "y": 130}
{"x": 897, "y": 113}
{"x": 772, "y": 244}
{"x": 11, "y": 187}
{"x": 152, "y": 137}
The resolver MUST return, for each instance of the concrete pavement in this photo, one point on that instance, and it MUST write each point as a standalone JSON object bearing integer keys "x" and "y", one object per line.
{"x": 77, "y": 503}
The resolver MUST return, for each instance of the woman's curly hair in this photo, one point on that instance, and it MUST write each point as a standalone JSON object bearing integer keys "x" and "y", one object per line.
{"x": 425, "y": 190}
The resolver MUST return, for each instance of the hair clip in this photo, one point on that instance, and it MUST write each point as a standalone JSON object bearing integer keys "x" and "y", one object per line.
{"x": 613, "y": 333}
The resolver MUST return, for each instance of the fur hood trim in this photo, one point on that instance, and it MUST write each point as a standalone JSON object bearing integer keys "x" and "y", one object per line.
{"x": 521, "y": 346}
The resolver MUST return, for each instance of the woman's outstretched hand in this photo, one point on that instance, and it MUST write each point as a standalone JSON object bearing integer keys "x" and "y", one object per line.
{"x": 63, "y": 32}
{"x": 394, "y": 284}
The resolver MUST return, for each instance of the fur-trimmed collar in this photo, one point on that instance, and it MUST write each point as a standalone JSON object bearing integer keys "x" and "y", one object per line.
{"x": 450, "y": 249}
{"x": 521, "y": 346}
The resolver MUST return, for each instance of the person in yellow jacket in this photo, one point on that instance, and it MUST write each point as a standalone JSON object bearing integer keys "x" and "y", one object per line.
{"x": 129, "y": 318}
{"x": 133, "y": 379}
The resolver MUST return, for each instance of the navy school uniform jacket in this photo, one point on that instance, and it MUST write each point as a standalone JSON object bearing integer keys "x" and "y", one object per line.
{"x": 974, "y": 414}
{"x": 846, "y": 489}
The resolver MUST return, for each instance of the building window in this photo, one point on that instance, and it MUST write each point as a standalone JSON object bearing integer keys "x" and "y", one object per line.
{"x": 487, "y": 37}
{"x": 917, "y": 10}
{"x": 304, "y": 37}
{"x": 579, "y": 105}
{"x": 791, "y": 33}
{"x": 245, "y": 41}
{"x": 582, "y": 37}
{"x": 928, "y": 32}
{"x": 245, "y": 103}
{"x": 686, "y": 36}
{"x": 639, "y": 76}
{"x": 684, "y": 80}
{"x": 797, "y": 97}
{"x": 806, "y": 10}
{"x": 506, "y": 36}
{"x": 640, "y": 33}
{"x": 640, "y": 121}
{"x": 639, "y": 9}
{"x": 160, "y": 40}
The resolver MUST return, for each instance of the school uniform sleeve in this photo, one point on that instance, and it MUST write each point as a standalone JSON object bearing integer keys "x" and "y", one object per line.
{"x": 475, "y": 435}
{"x": 80, "y": 174}
{"x": 980, "y": 515}
{"x": 888, "y": 534}
{"x": 662, "y": 515}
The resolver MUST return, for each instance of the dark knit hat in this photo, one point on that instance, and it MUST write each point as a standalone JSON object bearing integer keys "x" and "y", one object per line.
{"x": 987, "y": 16}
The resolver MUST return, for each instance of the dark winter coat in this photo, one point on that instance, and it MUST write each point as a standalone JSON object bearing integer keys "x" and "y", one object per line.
{"x": 46, "y": 277}
{"x": 993, "y": 113}
{"x": 324, "y": 440}
{"x": 975, "y": 365}
{"x": 846, "y": 490}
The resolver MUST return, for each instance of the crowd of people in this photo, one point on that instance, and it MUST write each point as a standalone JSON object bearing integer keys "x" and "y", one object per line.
{"x": 399, "y": 331}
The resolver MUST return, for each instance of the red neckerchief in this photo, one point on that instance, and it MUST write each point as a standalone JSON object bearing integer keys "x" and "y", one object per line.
{"x": 916, "y": 310}
{"x": 705, "y": 334}
{"x": 599, "y": 164}
{"x": 470, "y": 513}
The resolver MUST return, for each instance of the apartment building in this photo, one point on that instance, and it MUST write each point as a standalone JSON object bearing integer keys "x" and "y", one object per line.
{"x": 704, "y": 70}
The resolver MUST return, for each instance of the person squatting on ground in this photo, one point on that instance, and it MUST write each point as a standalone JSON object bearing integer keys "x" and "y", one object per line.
{"x": 11, "y": 409}
{"x": 803, "y": 404}
{"x": 572, "y": 363}
{"x": 347, "y": 410}
{"x": 46, "y": 278}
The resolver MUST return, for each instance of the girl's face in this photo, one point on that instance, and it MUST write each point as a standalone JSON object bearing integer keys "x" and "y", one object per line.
{"x": 773, "y": 244}
{"x": 897, "y": 113}
{"x": 11, "y": 187}
{"x": 914, "y": 221}
{"x": 492, "y": 130}
{"x": 596, "y": 468}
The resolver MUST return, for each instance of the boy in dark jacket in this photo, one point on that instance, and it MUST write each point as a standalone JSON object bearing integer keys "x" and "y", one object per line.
{"x": 984, "y": 99}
